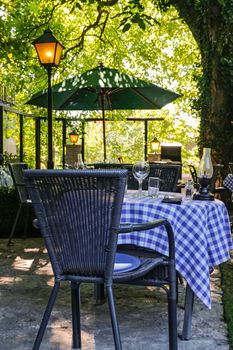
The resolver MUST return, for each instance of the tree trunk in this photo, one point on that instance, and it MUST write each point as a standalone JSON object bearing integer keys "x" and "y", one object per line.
{"x": 211, "y": 26}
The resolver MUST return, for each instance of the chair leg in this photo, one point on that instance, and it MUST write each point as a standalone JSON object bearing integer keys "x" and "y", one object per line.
{"x": 26, "y": 222}
{"x": 99, "y": 293}
{"x": 46, "y": 316}
{"x": 76, "y": 324}
{"x": 112, "y": 310}
{"x": 172, "y": 323}
{"x": 14, "y": 225}
{"x": 172, "y": 312}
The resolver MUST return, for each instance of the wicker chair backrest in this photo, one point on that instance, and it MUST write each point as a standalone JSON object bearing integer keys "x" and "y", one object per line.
{"x": 168, "y": 174}
{"x": 216, "y": 174}
{"x": 193, "y": 173}
{"x": 78, "y": 212}
{"x": 230, "y": 167}
{"x": 19, "y": 183}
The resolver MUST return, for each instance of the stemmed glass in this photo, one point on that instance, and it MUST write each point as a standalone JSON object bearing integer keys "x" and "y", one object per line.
{"x": 140, "y": 171}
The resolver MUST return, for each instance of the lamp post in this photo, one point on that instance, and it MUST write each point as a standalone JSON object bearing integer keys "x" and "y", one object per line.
{"x": 49, "y": 52}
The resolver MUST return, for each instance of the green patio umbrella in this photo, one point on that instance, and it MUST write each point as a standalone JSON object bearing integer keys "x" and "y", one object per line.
{"x": 103, "y": 89}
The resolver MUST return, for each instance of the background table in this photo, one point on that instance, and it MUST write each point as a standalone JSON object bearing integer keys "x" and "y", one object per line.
{"x": 202, "y": 236}
{"x": 228, "y": 182}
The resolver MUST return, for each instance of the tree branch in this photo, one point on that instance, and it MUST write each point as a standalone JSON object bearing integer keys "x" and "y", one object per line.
{"x": 97, "y": 23}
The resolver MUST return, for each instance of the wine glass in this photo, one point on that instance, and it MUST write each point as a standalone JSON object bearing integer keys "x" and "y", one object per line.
{"x": 140, "y": 171}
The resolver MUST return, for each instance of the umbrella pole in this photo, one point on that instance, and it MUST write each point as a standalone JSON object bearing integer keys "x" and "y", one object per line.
{"x": 104, "y": 130}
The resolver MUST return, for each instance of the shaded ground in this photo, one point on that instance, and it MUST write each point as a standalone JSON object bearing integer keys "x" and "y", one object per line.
{"x": 227, "y": 287}
{"x": 25, "y": 284}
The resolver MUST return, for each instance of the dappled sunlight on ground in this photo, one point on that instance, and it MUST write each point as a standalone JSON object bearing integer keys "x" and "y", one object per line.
{"x": 22, "y": 264}
{"x": 43, "y": 267}
{"x": 10, "y": 280}
{"x": 26, "y": 282}
{"x": 60, "y": 339}
{"x": 29, "y": 250}
{"x": 50, "y": 282}
{"x": 215, "y": 283}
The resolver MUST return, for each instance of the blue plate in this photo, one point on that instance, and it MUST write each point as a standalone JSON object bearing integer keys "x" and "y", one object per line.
{"x": 125, "y": 262}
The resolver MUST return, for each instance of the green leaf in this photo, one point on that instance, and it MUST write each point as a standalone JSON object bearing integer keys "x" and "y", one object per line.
{"x": 141, "y": 24}
{"x": 79, "y": 6}
{"x": 126, "y": 27}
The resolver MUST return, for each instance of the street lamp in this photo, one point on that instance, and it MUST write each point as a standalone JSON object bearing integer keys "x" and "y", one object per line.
{"x": 49, "y": 52}
{"x": 155, "y": 144}
{"x": 74, "y": 137}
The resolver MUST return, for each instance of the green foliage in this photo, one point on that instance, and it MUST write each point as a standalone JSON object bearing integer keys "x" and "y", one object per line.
{"x": 9, "y": 158}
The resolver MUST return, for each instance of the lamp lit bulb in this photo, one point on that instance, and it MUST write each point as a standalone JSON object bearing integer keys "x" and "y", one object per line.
{"x": 49, "y": 54}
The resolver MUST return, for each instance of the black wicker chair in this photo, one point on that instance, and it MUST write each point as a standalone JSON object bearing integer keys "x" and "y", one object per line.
{"x": 24, "y": 201}
{"x": 216, "y": 188}
{"x": 78, "y": 213}
{"x": 132, "y": 183}
{"x": 219, "y": 191}
{"x": 193, "y": 173}
{"x": 168, "y": 174}
{"x": 230, "y": 167}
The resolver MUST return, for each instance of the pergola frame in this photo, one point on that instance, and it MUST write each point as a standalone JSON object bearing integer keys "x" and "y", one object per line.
{"x": 64, "y": 121}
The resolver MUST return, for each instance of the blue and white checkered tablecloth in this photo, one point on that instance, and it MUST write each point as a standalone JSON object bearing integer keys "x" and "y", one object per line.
{"x": 202, "y": 236}
{"x": 228, "y": 182}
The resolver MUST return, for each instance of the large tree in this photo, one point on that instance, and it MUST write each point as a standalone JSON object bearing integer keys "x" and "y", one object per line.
{"x": 211, "y": 23}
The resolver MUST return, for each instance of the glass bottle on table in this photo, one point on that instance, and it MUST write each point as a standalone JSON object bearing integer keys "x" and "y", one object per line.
{"x": 189, "y": 188}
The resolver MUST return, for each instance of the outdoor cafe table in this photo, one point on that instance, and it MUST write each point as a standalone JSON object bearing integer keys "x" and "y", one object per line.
{"x": 201, "y": 231}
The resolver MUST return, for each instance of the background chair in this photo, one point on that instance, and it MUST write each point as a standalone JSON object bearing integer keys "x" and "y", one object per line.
{"x": 168, "y": 173}
{"x": 193, "y": 173}
{"x": 216, "y": 186}
{"x": 132, "y": 183}
{"x": 24, "y": 201}
{"x": 230, "y": 167}
{"x": 78, "y": 213}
